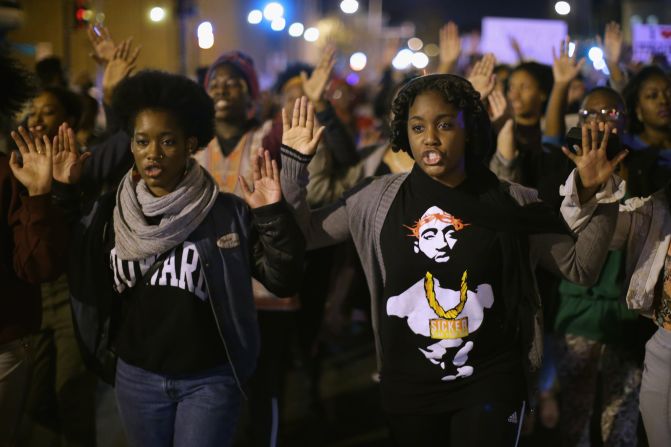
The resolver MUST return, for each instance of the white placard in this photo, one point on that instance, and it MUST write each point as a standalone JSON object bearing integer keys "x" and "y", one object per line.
{"x": 648, "y": 40}
{"x": 536, "y": 38}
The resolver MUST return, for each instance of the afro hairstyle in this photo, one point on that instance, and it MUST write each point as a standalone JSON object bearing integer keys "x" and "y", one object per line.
{"x": 18, "y": 86}
{"x": 632, "y": 92}
{"x": 454, "y": 90}
{"x": 291, "y": 72}
{"x": 175, "y": 94}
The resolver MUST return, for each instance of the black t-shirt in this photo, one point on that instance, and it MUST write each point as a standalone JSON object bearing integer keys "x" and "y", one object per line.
{"x": 168, "y": 326}
{"x": 442, "y": 327}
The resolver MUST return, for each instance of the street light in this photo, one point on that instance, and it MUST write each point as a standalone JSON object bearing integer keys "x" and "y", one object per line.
{"x": 296, "y": 29}
{"x": 156, "y": 14}
{"x": 278, "y": 24}
{"x": 273, "y": 11}
{"x": 311, "y": 34}
{"x": 562, "y": 8}
{"x": 402, "y": 60}
{"x": 349, "y": 6}
{"x": 255, "y": 16}
{"x": 357, "y": 61}
{"x": 420, "y": 60}
{"x": 415, "y": 44}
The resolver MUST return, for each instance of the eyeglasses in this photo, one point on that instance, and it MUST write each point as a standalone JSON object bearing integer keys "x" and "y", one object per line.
{"x": 603, "y": 115}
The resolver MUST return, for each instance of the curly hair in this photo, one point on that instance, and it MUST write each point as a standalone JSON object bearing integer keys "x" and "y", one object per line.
{"x": 178, "y": 95}
{"x": 291, "y": 72}
{"x": 632, "y": 92}
{"x": 17, "y": 86}
{"x": 454, "y": 90}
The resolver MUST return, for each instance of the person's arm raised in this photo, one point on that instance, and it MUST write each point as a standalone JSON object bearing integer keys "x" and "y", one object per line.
{"x": 450, "y": 48}
{"x": 564, "y": 69}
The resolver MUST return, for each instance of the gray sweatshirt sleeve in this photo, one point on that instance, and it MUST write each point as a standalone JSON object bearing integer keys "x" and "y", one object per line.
{"x": 578, "y": 258}
{"x": 321, "y": 227}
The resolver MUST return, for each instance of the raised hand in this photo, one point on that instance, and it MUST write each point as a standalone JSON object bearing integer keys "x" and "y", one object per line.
{"x": 565, "y": 67}
{"x": 612, "y": 42}
{"x": 505, "y": 141}
{"x": 300, "y": 132}
{"x": 590, "y": 159}
{"x": 482, "y": 77}
{"x": 498, "y": 109}
{"x": 119, "y": 67}
{"x": 314, "y": 86}
{"x": 102, "y": 43}
{"x": 35, "y": 170}
{"x": 67, "y": 161}
{"x": 266, "y": 188}
{"x": 450, "y": 47}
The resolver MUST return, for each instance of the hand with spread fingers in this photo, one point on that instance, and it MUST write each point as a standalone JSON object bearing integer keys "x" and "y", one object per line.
{"x": 482, "y": 77}
{"x": 565, "y": 67}
{"x": 102, "y": 43}
{"x": 67, "y": 161}
{"x": 34, "y": 170}
{"x": 119, "y": 67}
{"x": 265, "y": 189}
{"x": 300, "y": 132}
{"x": 450, "y": 47}
{"x": 315, "y": 85}
{"x": 594, "y": 167}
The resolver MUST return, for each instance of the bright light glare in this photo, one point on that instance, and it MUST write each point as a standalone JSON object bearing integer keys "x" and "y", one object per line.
{"x": 278, "y": 24}
{"x": 349, "y": 6}
{"x": 273, "y": 11}
{"x": 311, "y": 34}
{"x": 255, "y": 16}
{"x": 204, "y": 29}
{"x": 415, "y": 44}
{"x": 571, "y": 49}
{"x": 402, "y": 60}
{"x": 156, "y": 14}
{"x": 432, "y": 50}
{"x": 296, "y": 29}
{"x": 206, "y": 41}
{"x": 595, "y": 54}
{"x": 358, "y": 61}
{"x": 420, "y": 60}
{"x": 599, "y": 64}
{"x": 562, "y": 8}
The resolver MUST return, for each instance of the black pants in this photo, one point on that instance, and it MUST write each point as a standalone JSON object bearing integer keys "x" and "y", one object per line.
{"x": 492, "y": 424}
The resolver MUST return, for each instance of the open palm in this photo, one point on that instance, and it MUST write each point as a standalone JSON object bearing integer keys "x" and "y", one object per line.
{"x": 299, "y": 132}
{"x": 565, "y": 67}
{"x": 265, "y": 182}
{"x": 314, "y": 86}
{"x": 34, "y": 171}
{"x": 594, "y": 167}
{"x": 67, "y": 161}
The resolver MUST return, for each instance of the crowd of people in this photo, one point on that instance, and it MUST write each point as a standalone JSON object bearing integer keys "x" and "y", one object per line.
{"x": 504, "y": 231}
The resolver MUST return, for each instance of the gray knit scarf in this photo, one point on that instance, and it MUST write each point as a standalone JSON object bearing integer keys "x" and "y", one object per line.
{"x": 181, "y": 212}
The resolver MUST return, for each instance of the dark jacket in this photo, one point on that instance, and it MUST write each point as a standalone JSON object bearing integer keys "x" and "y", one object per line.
{"x": 33, "y": 243}
{"x": 269, "y": 246}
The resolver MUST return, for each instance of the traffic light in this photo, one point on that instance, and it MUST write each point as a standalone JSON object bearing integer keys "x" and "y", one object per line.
{"x": 83, "y": 13}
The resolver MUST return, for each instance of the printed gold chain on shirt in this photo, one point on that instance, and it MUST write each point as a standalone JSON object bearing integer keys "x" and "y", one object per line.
{"x": 447, "y": 326}
{"x": 435, "y": 305}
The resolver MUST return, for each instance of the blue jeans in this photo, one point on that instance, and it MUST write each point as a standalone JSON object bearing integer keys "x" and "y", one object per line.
{"x": 195, "y": 410}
